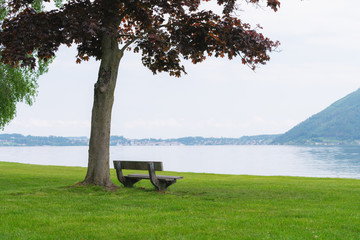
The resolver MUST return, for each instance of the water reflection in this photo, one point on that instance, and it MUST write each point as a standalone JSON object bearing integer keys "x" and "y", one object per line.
{"x": 343, "y": 161}
{"x": 252, "y": 160}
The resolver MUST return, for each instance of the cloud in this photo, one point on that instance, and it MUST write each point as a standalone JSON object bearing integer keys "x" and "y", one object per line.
{"x": 253, "y": 125}
{"x": 154, "y": 123}
{"x": 317, "y": 65}
{"x": 43, "y": 123}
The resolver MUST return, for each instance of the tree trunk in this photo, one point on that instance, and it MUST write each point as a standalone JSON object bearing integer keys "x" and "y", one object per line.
{"x": 98, "y": 172}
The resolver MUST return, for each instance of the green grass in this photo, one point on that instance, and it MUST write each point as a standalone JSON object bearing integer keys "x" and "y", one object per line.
{"x": 37, "y": 202}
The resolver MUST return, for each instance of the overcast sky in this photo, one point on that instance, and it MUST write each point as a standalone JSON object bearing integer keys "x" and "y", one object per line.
{"x": 318, "y": 63}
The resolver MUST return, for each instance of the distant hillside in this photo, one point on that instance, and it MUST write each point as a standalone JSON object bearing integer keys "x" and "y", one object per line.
{"x": 245, "y": 140}
{"x": 337, "y": 124}
{"x": 21, "y": 140}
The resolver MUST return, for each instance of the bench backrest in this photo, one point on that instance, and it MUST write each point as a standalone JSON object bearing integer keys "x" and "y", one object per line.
{"x": 139, "y": 165}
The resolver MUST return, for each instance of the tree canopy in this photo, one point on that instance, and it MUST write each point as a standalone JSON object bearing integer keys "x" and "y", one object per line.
{"x": 163, "y": 31}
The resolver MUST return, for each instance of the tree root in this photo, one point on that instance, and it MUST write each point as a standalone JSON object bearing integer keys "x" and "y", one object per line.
{"x": 108, "y": 187}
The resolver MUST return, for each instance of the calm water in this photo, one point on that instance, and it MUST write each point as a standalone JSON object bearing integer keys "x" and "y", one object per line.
{"x": 252, "y": 160}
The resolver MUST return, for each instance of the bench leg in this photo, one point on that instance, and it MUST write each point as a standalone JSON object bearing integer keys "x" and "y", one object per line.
{"x": 162, "y": 185}
{"x": 129, "y": 182}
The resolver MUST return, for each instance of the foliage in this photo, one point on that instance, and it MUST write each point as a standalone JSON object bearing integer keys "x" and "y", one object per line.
{"x": 163, "y": 31}
{"x": 338, "y": 123}
{"x": 17, "y": 84}
{"x": 37, "y": 203}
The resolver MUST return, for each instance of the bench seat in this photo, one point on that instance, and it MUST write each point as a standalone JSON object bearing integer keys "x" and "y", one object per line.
{"x": 159, "y": 181}
{"x": 147, "y": 176}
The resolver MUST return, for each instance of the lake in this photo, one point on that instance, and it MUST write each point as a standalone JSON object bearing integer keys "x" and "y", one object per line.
{"x": 343, "y": 162}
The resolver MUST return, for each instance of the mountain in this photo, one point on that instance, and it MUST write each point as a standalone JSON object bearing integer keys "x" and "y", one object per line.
{"x": 337, "y": 124}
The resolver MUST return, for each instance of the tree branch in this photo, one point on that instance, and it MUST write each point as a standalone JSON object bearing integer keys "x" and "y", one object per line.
{"x": 141, "y": 36}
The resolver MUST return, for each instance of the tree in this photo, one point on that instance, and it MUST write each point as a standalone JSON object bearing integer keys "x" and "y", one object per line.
{"x": 17, "y": 84}
{"x": 162, "y": 31}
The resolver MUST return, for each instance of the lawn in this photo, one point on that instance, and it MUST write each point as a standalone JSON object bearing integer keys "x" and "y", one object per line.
{"x": 40, "y": 202}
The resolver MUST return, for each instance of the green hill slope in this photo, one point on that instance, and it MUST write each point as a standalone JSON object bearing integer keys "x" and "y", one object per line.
{"x": 337, "y": 124}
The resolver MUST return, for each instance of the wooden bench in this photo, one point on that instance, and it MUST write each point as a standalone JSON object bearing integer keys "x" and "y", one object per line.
{"x": 160, "y": 182}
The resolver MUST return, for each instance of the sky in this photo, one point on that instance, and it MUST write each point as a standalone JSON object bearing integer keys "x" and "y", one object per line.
{"x": 317, "y": 63}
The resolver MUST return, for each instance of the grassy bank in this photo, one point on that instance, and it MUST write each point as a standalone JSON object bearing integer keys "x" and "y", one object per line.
{"x": 36, "y": 202}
